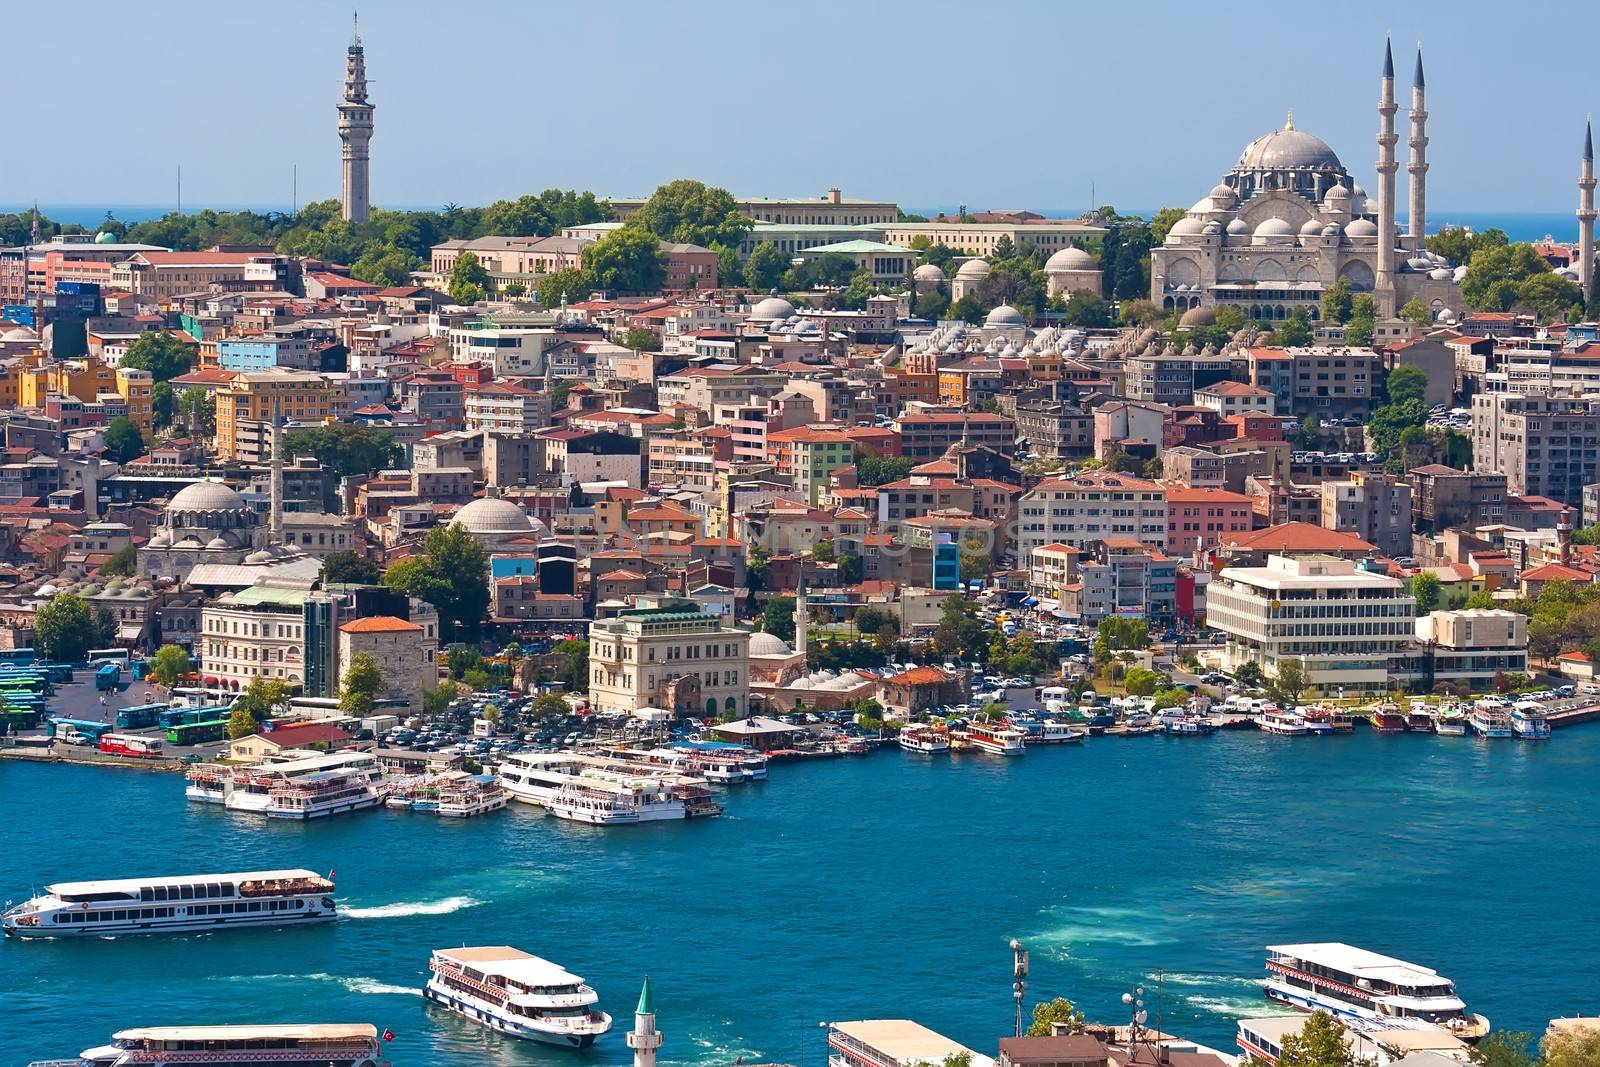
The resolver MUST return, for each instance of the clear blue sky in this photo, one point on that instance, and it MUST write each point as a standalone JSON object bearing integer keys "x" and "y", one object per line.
{"x": 987, "y": 102}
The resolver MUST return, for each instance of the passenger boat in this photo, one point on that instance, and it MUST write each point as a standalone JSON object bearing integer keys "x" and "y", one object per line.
{"x": 466, "y": 797}
{"x": 1282, "y": 721}
{"x": 173, "y": 904}
{"x": 1490, "y": 719}
{"x": 1450, "y": 722}
{"x": 1060, "y": 733}
{"x": 920, "y": 737}
{"x": 993, "y": 739}
{"x": 294, "y": 789}
{"x": 1386, "y": 719}
{"x": 516, "y": 993}
{"x": 326, "y": 1045}
{"x": 1318, "y": 720}
{"x": 1354, "y": 984}
{"x": 608, "y": 802}
{"x": 1181, "y": 723}
{"x": 1528, "y": 721}
{"x": 1419, "y": 719}
{"x": 207, "y": 783}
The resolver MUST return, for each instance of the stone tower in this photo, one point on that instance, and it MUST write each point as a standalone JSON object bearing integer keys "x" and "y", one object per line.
{"x": 1586, "y": 215}
{"x": 644, "y": 1039}
{"x": 802, "y": 614}
{"x": 1383, "y": 286}
{"x": 1417, "y": 168}
{"x": 355, "y": 130}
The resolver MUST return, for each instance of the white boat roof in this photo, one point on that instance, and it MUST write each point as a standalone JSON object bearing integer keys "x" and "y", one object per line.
{"x": 301, "y": 1031}
{"x": 119, "y": 885}
{"x": 1360, "y": 963}
{"x": 905, "y": 1041}
{"x": 310, "y": 764}
{"x": 511, "y": 963}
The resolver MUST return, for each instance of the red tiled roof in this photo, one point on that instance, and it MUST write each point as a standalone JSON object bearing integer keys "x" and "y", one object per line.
{"x": 380, "y": 624}
{"x": 1297, "y": 537}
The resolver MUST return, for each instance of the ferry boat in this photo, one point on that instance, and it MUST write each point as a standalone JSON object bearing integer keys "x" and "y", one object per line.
{"x": 1419, "y": 719}
{"x": 516, "y": 993}
{"x": 536, "y": 777}
{"x": 207, "y": 783}
{"x": 1318, "y": 721}
{"x": 326, "y": 1045}
{"x": 1490, "y": 719}
{"x": 334, "y": 791}
{"x": 1386, "y": 719}
{"x": 920, "y": 737}
{"x": 607, "y": 802}
{"x": 995, "y": 740}
{"x": 1528, "y": 721}
{"x": 173, "y": 904}
{"x": 294, "y": 789}
{"x": 1282, "y": 721}
{"x": 463, "y": 798}
{"x": 1181, "y": 723}
{"x": 1450, "y": 722}
{"x": 1354, "y": 984}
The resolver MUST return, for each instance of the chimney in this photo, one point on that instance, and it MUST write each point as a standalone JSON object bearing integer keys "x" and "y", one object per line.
{"x": 834, "y": 196}
{"x": 1564, "y": 536}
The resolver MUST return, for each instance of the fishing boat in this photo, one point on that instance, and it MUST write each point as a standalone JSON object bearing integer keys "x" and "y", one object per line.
{"x": 1386, "y": 719}
{"x": 516, "y": 993}
{"x": 173, "y": 904}
{"x": 1282, "y": 721}
{"x": 920, "y": 737}
{"x": 1356, "y": 985}
{"x": 1528, "y": 721}
{"x": 1490, "y": 719}
{"x": 325, "y": 1044}
{"x": 996, "y": 740}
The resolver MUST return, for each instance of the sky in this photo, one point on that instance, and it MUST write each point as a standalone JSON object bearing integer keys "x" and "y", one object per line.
{"x": 932, "y": 103}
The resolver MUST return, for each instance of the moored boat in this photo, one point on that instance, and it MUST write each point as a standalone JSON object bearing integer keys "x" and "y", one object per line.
{"x": 1450, "y": 722}
{"x": 1182, "y": 723}
{"x": 478, "y": 794}
{"x": 1419, "y": 719}
{"x": 1387, "y": 719}
{"x": 996, "y": 740}
{"x": 1528, "y": 721}
{"x": 1490, "y": 719}
{"x": 921, "y": 737}
{"x": 1276, "y": 720}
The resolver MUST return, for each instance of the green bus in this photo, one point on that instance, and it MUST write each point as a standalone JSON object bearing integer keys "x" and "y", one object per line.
{"x": 195, "y": 733}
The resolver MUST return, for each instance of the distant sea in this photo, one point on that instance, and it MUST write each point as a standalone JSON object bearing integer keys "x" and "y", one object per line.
{"x": 1519, "y": 226}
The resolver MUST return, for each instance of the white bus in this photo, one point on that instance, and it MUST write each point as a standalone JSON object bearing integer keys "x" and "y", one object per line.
{"x": 120, "y": 656}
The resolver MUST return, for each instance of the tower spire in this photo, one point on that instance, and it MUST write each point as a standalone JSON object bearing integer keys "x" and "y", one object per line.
{"x": 644, "y": 1038}
{"x": 275, "y": 524}
{"x": 1383, "y": 285}
{"x": 355, "y": 131}
{"x": 1417, "y": 168}
{"x": 1586, "y": 214}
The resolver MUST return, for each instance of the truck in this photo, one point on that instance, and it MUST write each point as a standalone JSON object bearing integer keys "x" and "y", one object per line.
{"x": 107, "y": 676}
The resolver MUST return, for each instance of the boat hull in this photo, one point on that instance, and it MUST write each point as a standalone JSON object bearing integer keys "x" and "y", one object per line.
{"x": 196, "y": 925}
{"x": 467, "y": 1009}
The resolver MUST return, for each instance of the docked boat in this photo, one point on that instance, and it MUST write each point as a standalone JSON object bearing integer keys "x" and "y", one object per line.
{"x": 1181, "y": 723}
{"x": 1386, "y": 719}
{"x": 611, "y": 802}
{"x": 1450, "y": 722}
{"x": 1060, "y": 733}
{"x": 1282, "y": 721}
{"x": 173, "y": 904}
{"x": 1419, "y": 719}
{"x": 1490, "y": 719}
{"x": 994, "y": 739}
{"x": 1318, "y": 721}
{"x": 1528, "y": 721}
{"x": 516, "y": 993}
{"x": 305, "y": 788}
{"x": 1354, "y": 984}
{"x": 465, "y": 797}
{"x": 207, "y": 783}
{"x": 920, "y": 737}
{"x": 326, "y": 1045}
{"x": 354, "y": 786}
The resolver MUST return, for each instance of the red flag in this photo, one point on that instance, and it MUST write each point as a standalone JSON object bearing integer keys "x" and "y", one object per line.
{"x": 332, "y": 875}
{"x": 388, "y": 1035}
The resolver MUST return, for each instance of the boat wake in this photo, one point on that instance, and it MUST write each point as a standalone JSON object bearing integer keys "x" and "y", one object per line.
{"x": 1239, "y": 1007}
{"x": 355, "y": 984}
{"x": 1207, "y": 980}
{"x": 400, "y": 911}
{"x": 1084, "y": 927}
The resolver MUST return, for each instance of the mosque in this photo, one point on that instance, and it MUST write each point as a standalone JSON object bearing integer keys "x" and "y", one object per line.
{"x": 1288, "y": 221}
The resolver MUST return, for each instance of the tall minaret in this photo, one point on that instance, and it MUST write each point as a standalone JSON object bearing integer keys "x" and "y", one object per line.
{"x": 644, "y": 1039}
{"x": 1417, "y": 221}
{"x": 802, "y": 614}
{"x": 275, "y": 524}
{"x": 1586, "y": 215}
{"x": 1383, "y": 288}
{"x": 355, "y": 130}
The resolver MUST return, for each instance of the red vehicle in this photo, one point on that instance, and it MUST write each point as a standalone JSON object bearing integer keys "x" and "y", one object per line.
{"x": 131, "y": 745}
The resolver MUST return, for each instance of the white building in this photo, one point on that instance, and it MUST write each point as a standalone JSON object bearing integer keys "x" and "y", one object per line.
{"x": 1472, "y": 645}
{"x": 511, "y": 350}
{"x": 672, "y": 655}
{"x": 1350, "y": 629}
{"x": 1091, "y": 506}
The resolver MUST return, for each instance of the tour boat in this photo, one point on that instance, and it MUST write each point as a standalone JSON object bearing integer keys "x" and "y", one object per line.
{"x": 173, "y": 904}
{"x": 354, "y": 786}
{"x": 1419, "y": 720}
{"x": 611, "y": 802}
{"x": 1181, "y": 723}
{"x": 1490, "y": 719}
{"x": 1354, "y": 984}
{"x": 919, "y": 737}
{"x": 1060, "y": 733}
{"x": 1528, "y": 722}
{"x": 1276, "y": 720}
{"x": 1318, "y": 720}
{"x": 466, "y": 797}
{"x": 207, "y": 783}
{"x": 993, "y": 739}
{"x": 1386, "y": 719}
{"x": 516, "y": 993}
{"x": 326, "y": 1045}
{"x": 536, "y": 777}
{"x": 1450, "y": 722}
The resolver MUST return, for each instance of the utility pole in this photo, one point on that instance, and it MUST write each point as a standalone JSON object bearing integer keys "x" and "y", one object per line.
{"x": 1019, "y": 980}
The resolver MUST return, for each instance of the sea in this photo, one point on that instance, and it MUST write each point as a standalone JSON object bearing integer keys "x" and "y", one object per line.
{"x": 880, "y": 886}
{"x": 1519, "y": 226}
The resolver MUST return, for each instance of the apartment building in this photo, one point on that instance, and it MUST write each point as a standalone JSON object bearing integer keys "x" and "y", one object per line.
{"x": 1173, "y": 377}
{"x": 1125, "y": 579}
{"x": 1228, "y": 398}
{"x": 1544, "y": 445}
{"x": 245, "y": 407}
{"x": 1202, "y": 518}
{"x": 1473, "y": 645}
{"x": 669, "y": 655}
{"x": 505, "y": 408}
{"x": 1442, "y": 497}
{"x": 928, "y": 435}
{"x": 1324, "y": 381}
{"x": 1092, "y": 506}
{"x": 808, "y": 454}
{"x": 1374, "y": 507}
{"x": 1055, "y": 430}
{"x": 509, "y": 350}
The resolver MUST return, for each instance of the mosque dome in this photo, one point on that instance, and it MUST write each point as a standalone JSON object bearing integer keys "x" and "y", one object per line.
{"x": 1330, "y": 230}
{"x": 1238, "y": 228}
{"x": 1286, "y": 149}
{"x": 19, "y": 333}
{"x": 218, "y": 543}
{"x": 105, "y": 237}
{"x": 1338, "y": 192}
{"x": 1271, "y": 230}
{"x": 1312, "y": 228}
{"x": 928, "y": 272}
{"x": 765, "y": 644}
{"x": 973, "y": 269}
{"x": 1224, "y": 195}
{"x": 1442, "y": 274}
{"x": 1361, "y": 228}
{"x": 1070, "y": 258}
{"x": 1186, "y": 227}
{"x": 1004, "y": 315}
{"x": 207, "y": 496}
{"x": 772, "y": 308}
{"x": 495, "y": 515}
{"x": 1200, "y": 316}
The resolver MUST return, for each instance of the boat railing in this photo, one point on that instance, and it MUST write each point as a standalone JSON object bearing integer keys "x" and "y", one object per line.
{"x": 284, "y": 887}
{"x": 313, "y": 1053}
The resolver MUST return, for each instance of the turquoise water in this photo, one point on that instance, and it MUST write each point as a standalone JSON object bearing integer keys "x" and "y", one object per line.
{"x": 880, "y": 886}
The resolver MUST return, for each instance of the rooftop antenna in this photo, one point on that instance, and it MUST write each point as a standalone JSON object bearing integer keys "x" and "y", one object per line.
{"x": 1019, "y": 980}
{"x": 355, "y": 32}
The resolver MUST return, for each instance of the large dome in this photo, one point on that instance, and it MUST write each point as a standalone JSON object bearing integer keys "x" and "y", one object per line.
{"x": 493, "y": 515}
{"x": 772, "y": 308}
{"x": 1004, "y": 315}
{"x": 928, "y": 272}
{"x": 1289, "y": 149}
{"x": 973, "y": 269}
{"x": 765, "y": 644}
{"x": 207, "y": 496}
{"x": 1071, "y": 258}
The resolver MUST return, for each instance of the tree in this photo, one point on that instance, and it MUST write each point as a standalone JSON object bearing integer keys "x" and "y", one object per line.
{"x": 1170, "y": 696}
{"x": 259, "y": 701}
{"x": 1141, "y": 681}
{"x": 436, "y": 699}
{"x": 822, "y": 552}
{"x": 452, "y": 574}
{"x": 1290, "y": 680}
{"x": 199, "y": 409}
{"x": 692, "y": 212}
{"x": 1481, "y": 600}
{"x": 163, "y": 405}
{"x": 1248, "y": 675}
{"x": 1295, "y": 331}
{"x": 777, "y": 617}
{"x": 1047, "y": 1013}
{"x": 1320, "y": 1043}
{"x": 628, "y": 260}
{"x": 1163, "y": 222}
{"x": 121, "y": 563}
{"x": 160, "y": 353}
{"x": 1139, "y": 312}
{"x": 1087, "y": 309}
{"x": 1549, "y": 297}
{"x": 123, "y": 440}
{"x": 1119, "y": 634}
{"x": 1495, "y": 273}
{"x": 548, "y": 706}
{"x": 873, "y": 469}
{"x": 565, "y": 286}
{"x": 1503, "y": 1048}
{"x": 169, "y": 664}
{"x": 385, "y": 265}
{"x": 1406, "y": 383}
{"x": 469, "y": 279}
{"x": 241, "y": 723}
{"x": 1425, "y": 589}
{"x": 855, "y": 294}
{"x": 349, "y": 568}
{"x": 1336, "y": 301}
{"x": 65, "y": 628}
{"x": 1417, "y": 313}
{"x": 575, "y": 675}
{"x": 363, "y": 681}
{"x": 343, "y": 449}
{"x": 1575, "y": 1048}
{"x": 959, "y": 632}
{"x": 640, "y": 339}
{"x": 764, "y": 267}
{"x": 1457, "y": 243}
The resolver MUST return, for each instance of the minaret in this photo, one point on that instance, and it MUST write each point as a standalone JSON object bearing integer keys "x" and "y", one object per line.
{"x": 275, "y": 526}
{"x": 644, "y": 1039}
{"x": 1586, "y": 215}
{"x": 1383, "y": 287}
{"x": 355, "y": 130}
{"x": 1417, "y": 169}
{"x": 802, "y": 614}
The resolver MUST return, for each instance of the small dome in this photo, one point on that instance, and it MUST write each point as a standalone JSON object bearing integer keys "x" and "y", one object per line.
{"x": 1071, "y": 258}
{"x": 928, "y": 272}
{"x": 1238, "y": 228}
{"x": 1188, "y": 226}
{"x": 1200, "y": 316}
{"x": 765, "y": 644}
{"x": 1271, "y": 230}
{"x": 1338, "y": 192}
{"x": 1212, "y": 228}
{"x": 1004, "y": 315}
{"x": 259, "y": 556}
{"x": 1312, "y": 228}
{"x": 207, "y": 496}
{"x": 1459, "y": 274}
{"x": 973, "y": 269}
{"x": 496, "y": 515}
{"x": 105, "y": 237}
{"x": 19, "y": 333}
{"x": 1419, "y": 264}
{"x": 1330, "y": 230}
{"x": 1361, "y": 228}
{"x": 217, "y": 543}
{"x": 771, "y": 308}
{"x": 1442, "y": 274}
{"x": 1222, "y": 194}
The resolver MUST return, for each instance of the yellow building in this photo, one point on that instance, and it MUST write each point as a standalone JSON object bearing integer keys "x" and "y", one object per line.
{"x": 245, "y": 408}
{"x": 83, "y": 379}
{"x": 137, "y": 388}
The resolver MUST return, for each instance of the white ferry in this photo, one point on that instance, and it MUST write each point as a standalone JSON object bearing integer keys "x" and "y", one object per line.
{"x": 920, "y": 737}
{"x": 995, "y": 740}
{"x": 1353, "y": 983}
{"x": 327, "y": 1045}
{"x": 515, "y": 993}
{"x": 611, "y": 802}
{"x": 1450, "y": 722}
{"x": 536, "y": 777}
{"x": 1060, "y": 733}
{"x": 1275, "y": 720}
{"x": 1528, "y": 721}
{"x": 1490, "y": 719}
{"x": 173, "y": 904}
{"x": 304, "y": 788}
{"x": 465, "y": 797}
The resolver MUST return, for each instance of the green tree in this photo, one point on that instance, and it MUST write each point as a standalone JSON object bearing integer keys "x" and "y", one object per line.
{"x": 549, "y": 706}
{"x": 1320, "y": 1043}
{"x": 1171, "y": 697}
{"x": 123, "y": 440}
{"x": 693, "y": 212}
{"x": 1457, "y": 244}
{"x": 855, "y": 294}
{"x": 1119, "y": 634}
{"x": 1417, "y": 313}
{"x": 65, "y": 628}
{"x": 344, "y": 449}
{"x": 1050, "y": 1012}
{"x": 349, "y": 568}
{"x": 1248, "y": 675}
{"x": 575, "y": 675}
{"x": 198, "y": 408}
{"x": 1494, "y": 274}
{"x": 627, "y": 260}
{"x": 1481, "y": 600}
{"x": 385, "y": 265}
{"x": 1139, "y": 312}
{"x": 163, "y": 405}
{"x": 1295, "y": 331}
{"x": 764, "y": 267}
{"x": 1407, "y": 383}
{"x": 1549, "y": 297}
{"x": 160, "y": 353}
{"x": 640, "y": 339}
{"x": 452, "y": 574}
{"x": 1574, "y": 1048}
{"x": 931, "y": 305}
{"x": 1504, "y": 1048}
{"x": 469, "y": 280}
{"x": 460, "y": 659}
{"x": 822, "y": 552}
{"x": 260, "y": 701}
{"x": 960, "y": 631}
{"x": 121, "y": 563}
{"x": 1290, "y": 680}
{"x": 1425, "y": 589}
{"x": 1141, "y": 681}
{"x": 873, "y": 469}
{"x": 363, "y": 681}
{"x": 1390, "y": 421}
{"x": 1088, "y": 309}
{"x": 436, "y": 699}
{"x": 169, "y": 664}
{"x": 1163, "y": 222}
{"x": 241, "y": 723}
{"x": 1336, "y": 301}
{"x": 777, "y": 617}
{"x": 570, "y": 285}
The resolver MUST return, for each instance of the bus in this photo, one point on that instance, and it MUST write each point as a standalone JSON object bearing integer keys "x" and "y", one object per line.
{"x": 120, "y": 656}
{"x": 195, "y": 696}
{"x": 131, "y": 745}
{"x": 188, "y": 716}
{"x": 197, "y": 733}
{"x": 139, "y": 716}
{"x": 107, "y": 677}
{"x": 17, "y": 655}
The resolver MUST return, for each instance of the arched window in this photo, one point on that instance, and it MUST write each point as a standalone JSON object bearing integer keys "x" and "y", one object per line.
{"x": 711, "y": 707}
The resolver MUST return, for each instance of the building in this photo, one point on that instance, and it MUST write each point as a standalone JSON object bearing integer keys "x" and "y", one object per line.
{"x": 894, "y": 1043}
{"x": 831, "y": 209}
{"x": 1442, "y": 497}
{"x": 1288, "y": 221}
{"x": 1125, "y": 579}
{"x": 355, "y": 131}
{"x": 809, "y": 454}
{"x": 247, "y": 404}
{"x": 1544, "y": 445}
{"x": 1324, "y": 381}
{"x": 1202, "y": 518}
{"x": 1473, "y": 645}
{"x": 1231, "y": 398}
{"x": 507, "y": 349}
{"x": 1091, "y": 506}
{"x": 1350, "y": 629}
{"x": 975, "y": 238}
{"x": 267, "y": 632}
{"x": 1055, "y": 430}
{"x": 1374, "y": 507}
{"x": 673, "y": 655}
{"x": 1172, "y": 377}
{"x": 1057, "y": 1050}
{"x": 888, "y": 264}
{"x": 929, "y": 435}
{"x": 406, "y": 653}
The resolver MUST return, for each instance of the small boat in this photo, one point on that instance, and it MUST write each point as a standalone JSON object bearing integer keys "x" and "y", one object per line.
{"x": 1386, "y": 719}
{"x": 516, "y": 993}
{"x": 996, "y": 740}
{"x": 1318, "y": 721}
{"x": 1060, "y": 733}
{"x": 1276, "y": 720}
{"x": 1450, "y": 722}
{"x": 398, "y": 803}
{"x": 920, "y": 737}
{"x": 1490, "y": 719}
{"x": 1528, "y": 721}
{"x": 1419, "y": 720}
{"x": 1181, "y": 723}
{"x": 425, "y": 804}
